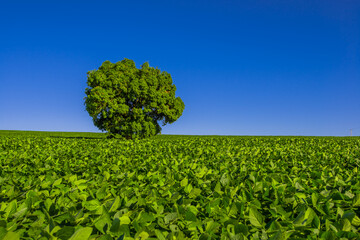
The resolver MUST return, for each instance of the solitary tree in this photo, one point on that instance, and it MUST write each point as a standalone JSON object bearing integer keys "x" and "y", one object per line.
{"x": 129, "y": 102}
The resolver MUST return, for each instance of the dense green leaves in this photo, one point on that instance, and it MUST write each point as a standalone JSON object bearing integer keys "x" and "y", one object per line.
{"x": 175, "y": 187}
{"x": 130, "y": 102}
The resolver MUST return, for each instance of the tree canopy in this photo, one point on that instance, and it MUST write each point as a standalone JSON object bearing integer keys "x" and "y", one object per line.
{"x": 129, "y": 102}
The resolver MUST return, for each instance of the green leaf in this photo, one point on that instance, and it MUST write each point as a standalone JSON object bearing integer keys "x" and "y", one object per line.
{"x": 21, "y": 211}
{"x": 195, "y": 192}
{"x": 103, "y": 223}
{"x": 159, "y": 235}
{"x": 299, "y": 220}
{"x": 274, "y": 226}
{"x": 347, "y": 235}
{"x": 299, "y": 187}
{"x": 218, "y": 188}
{"x": 10, "y": 209}
{"x": 256, "y": 219}
{"x": 337, "y": 196}
{"x": 146, "y": 217}
{"x": 328, "y": 236}
{"x": 115, "y": 226}
{"x": 279, "y": 236}
{"x": 174, "y": 228}
{"x": 48, "y": 202}
{"x": 224, "y": 180}
{"x": 190, "y": 216}
{"x": 188, "y": 188}
{"x": 115, "y": 204}
{"x": 101, "y": 193}
{"x": 184, "y": 182}
{"x": 105, "y": 237}
{"x": 124, "y": 220}
{"x": 92, "y": 204}
{"x": 309, "y": 216}
{"x": 339, "y": 212}
{"x": 57, "y": 182}
{"x": 211, "y": 226}
{"x": 63, "y": 217}
{"x": 356, "y": 200}
{"x": 314, "y": 199}
{"x": 2, "y": 232}
{"x": 259, "y": 187}
{"x": 346, "y": 225}
{"x": 82, "y": 234}
{"x": 11, "y": 236}
{"x": 65, "y": 233}
{"x": 143, "y": 235}
{"x": 170, "y": 217}
{"x": 106, "y": 175}
{"x": 355, "y": 221}
{"x": 204, "y": 236}
{"x": 241, "y": 228}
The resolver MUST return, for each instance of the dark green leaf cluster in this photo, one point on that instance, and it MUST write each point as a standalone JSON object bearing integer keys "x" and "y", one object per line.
{"x": 178, "y": 187}
{"x": 130, "y": 102}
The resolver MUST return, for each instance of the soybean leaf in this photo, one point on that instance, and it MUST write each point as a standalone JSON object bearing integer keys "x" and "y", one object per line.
{"x": 256, "y": 219}
{"x": 82, "y": 234}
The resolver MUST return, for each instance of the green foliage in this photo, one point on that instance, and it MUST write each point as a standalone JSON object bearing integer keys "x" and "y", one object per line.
{"x": 16, "y": 133}
{"x": 130, "y": 102}
{"x": 179, "y": 187}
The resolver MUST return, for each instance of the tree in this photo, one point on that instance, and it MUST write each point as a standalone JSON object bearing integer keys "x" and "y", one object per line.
{"x": 129, "y": 102}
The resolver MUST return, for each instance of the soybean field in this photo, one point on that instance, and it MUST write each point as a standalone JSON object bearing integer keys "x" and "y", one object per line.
{"x": 82, "y": 186}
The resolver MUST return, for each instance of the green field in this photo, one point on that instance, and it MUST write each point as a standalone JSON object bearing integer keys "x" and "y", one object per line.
{"x": 81, "y": 186}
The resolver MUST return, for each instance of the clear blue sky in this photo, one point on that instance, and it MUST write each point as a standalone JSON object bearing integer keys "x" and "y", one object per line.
{"x": 241, "y": 67}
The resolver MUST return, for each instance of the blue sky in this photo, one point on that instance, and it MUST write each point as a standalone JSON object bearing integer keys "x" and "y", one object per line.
{"x": 241, "y": 67}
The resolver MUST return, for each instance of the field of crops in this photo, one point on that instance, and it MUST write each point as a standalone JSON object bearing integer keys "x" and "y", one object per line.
{"x": 78, "y": 187}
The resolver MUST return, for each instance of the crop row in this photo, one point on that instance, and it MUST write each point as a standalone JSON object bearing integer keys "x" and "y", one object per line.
{"x": 179, "y": 188}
